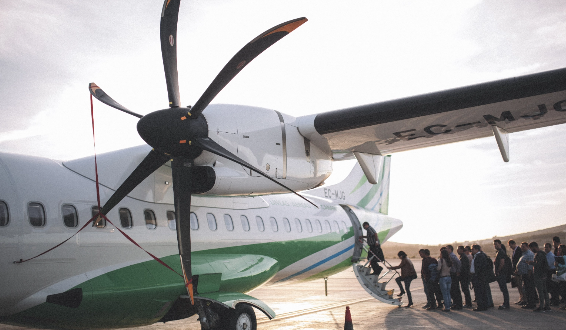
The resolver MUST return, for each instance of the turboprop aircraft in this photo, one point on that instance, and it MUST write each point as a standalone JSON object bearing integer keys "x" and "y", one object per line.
{"x": 211, "y": 187}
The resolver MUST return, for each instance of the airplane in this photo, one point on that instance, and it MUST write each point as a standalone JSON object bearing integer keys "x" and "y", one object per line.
{"x": 210, "y": 162}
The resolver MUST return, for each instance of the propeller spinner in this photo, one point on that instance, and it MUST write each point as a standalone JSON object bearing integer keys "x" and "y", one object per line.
{"x": 181, "y": 134}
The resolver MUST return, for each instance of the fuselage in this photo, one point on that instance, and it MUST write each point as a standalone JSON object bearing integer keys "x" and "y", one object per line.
{"x": 239, "y": 244}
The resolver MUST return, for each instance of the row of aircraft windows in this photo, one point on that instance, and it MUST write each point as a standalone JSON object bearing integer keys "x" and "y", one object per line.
{"x": 36, "y": 214}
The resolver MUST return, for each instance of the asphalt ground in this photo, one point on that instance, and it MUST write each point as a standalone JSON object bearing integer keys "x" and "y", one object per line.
{"x": 305, "y": 306}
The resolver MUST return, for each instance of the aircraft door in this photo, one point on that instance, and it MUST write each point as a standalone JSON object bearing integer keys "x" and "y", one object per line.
{"x": 357, "y": 232}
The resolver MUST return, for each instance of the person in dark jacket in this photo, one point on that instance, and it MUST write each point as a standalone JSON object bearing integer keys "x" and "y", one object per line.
{"x": 540, "y": 271}
{"x": 501, "y": 272}
{"x": 408, "y": 274}
{"x": 517, "y": 253}
{"x": 465, "y": 276}
{"x": 376, "y": 253}
{"x": 480, "y": 270}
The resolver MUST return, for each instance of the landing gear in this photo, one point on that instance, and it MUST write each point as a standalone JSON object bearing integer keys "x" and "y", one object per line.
{"x": 241, "y": 318}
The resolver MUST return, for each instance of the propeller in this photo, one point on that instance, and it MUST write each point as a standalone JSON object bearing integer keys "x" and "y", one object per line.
{"x": 181, "y": 134}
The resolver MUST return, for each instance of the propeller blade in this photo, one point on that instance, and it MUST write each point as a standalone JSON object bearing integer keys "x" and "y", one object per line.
{"x": 168, "y": 34}
{"x": 242, "y": 58}
{"x": 182, "y": 200}
{"x": 151, "y": 162}
{"x": 100, "y": 95}
{"x": 211, "y": 146}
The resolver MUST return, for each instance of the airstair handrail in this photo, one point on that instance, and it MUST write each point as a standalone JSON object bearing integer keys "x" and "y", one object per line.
{"x": 384, "y": 262}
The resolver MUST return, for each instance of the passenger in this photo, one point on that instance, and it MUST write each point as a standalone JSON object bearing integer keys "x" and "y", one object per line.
{"x": 444, "y": 266}
{"x": 561, "y": 269}
{"x": 551, "y": 286}
{"x": 465, "y": 276}
{"x": 429, "y": 275}
{"x": 479, "y": 270}
{"x": 517, "y": 253}
{"x": 408, "y": 274}
{"x": 455, "y": 271}
{"x": 375, "y": 248}
{"x": 501, "y": 271}
{"x": 526, "y": 272}
{"x": 556, "y": 244}
{"x": 468, "y": 252}
{"x": 540, "y": 265}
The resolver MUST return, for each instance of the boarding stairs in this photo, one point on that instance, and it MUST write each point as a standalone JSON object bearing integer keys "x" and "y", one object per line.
{"x": 373, "y": 284}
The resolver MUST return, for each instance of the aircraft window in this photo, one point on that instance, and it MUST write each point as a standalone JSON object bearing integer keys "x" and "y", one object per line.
{"x": 287, "y": 225}
{"x": 327, "y": 226}
{"x": 70, "y": 217}
{"x": 344, "y": 227}
{"x": 150, "y": 221}
{"x": 309, "y": 225}
{"x": 211, "y": 221}
{"x": 36, "y": 214}
{"x": 335, "y": 226}
{"x": 171, "y": 223}
{"x": 125, "y": 218}
{"x": 274, "y": 226}
{"x": 298, "y": 225}
{"x": 194, "y": 221}
{"x": 260, "y": 225}
{"x": 228, "y": 221}
{"x": 4, "y": 214}
{"x": 245, "y": 223}
{"x": 100, "y": 222}
{"x": 318, "y": 226}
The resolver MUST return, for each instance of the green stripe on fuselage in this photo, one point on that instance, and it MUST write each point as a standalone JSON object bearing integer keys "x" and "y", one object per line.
{"x": 142, "y": 293}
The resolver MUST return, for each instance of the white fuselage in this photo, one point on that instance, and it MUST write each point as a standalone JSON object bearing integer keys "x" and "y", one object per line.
{"x": 94, "y": 251}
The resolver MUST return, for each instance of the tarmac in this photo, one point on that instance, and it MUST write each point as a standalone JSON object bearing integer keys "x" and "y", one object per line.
{"x": 305, "y": 306}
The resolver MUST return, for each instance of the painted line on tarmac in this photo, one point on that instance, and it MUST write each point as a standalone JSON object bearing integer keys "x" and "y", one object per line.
{"x": 317, "y": 309}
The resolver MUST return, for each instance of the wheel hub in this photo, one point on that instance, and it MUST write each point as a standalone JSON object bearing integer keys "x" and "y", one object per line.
{"x": 244, "y": 322}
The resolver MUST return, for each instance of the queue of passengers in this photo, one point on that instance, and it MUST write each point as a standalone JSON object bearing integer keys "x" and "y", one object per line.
{"x": 539, "y": 276}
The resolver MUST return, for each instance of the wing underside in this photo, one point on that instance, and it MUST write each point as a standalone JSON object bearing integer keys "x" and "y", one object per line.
{"x": 460, "y": 114}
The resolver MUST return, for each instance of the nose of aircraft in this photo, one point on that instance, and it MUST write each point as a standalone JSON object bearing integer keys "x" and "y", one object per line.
{"x": 173, "y": 131}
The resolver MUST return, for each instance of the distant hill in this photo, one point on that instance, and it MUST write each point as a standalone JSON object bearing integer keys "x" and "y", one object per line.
{"x": 542, "y": 236}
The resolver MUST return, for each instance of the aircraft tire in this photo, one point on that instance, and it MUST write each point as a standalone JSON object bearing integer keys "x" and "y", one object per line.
{"x": 242, "y": 318}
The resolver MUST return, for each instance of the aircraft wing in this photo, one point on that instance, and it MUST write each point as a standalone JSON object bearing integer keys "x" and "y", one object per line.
{"x": 493, "y": 108}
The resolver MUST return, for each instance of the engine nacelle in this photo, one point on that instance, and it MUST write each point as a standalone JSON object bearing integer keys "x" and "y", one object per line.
{"x": 266, "y": 139}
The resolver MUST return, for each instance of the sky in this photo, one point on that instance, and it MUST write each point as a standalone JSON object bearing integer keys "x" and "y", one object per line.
{"x": 349, "y": 53}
